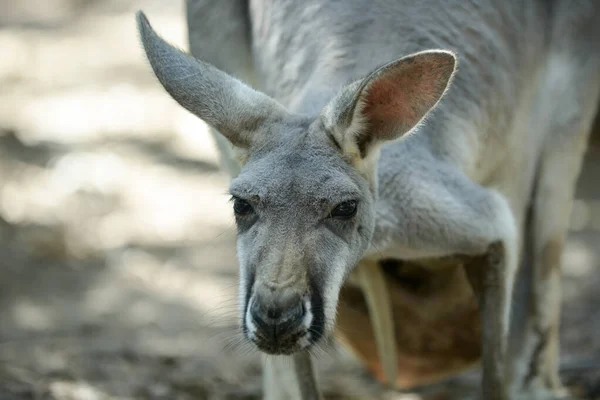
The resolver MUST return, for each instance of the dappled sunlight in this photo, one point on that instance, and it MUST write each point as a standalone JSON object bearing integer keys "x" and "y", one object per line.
{"x": 76, "y": 390}
{"x": 115, "y": 217}
{"x": 32, "y": 317}
{"x": 173, "y": 280}
{"x": 128, "y": 197}
{"x": 73, "y": 117}
{"x": 579, "y": 260}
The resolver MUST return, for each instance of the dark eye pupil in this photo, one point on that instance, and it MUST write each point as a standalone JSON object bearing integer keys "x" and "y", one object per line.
{"x": 346, "y": 209}
{"x": 241, "y": 207}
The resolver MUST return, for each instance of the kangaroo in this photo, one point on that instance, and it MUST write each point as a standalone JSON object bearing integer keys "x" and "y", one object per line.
{"x": 363, "y": 134}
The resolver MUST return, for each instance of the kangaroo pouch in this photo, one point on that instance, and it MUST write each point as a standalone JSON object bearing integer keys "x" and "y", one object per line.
{"x": 436, "y": 320}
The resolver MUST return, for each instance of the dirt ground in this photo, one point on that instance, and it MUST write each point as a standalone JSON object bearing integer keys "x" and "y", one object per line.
{"x": 117, "y": 267}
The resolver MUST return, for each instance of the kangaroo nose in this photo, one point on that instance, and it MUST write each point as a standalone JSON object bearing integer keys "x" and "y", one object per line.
{"x": 274, "y": 312}
{"x": 274, "y": 321}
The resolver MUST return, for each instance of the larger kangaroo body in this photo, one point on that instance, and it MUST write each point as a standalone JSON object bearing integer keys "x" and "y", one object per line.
{"x": 483, "y": 178}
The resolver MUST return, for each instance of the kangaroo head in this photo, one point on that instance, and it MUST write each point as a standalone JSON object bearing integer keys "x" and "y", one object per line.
{"x": 304, "y": 199}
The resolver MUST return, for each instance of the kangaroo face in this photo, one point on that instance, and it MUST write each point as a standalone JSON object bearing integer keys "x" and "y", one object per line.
{"x": 304, "y": 218}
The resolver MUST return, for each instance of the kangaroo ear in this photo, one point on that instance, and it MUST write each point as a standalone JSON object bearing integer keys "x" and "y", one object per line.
{"x": 389, "y": 102}
{"x": 232, "y": 108}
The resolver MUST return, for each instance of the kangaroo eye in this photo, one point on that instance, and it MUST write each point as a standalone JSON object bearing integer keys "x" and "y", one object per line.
{"x": 345, "y": 210}
{"x": 241, "y": 207}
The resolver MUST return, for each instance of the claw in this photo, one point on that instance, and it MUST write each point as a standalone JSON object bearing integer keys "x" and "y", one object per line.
{"x": 380, "y": 309}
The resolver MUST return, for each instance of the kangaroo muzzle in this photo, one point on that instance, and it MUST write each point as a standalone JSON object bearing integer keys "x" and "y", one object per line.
{"x": 278, "y": 319}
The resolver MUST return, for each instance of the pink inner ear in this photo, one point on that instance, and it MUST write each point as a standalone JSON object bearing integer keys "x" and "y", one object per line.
{"x": 398, "y": 99}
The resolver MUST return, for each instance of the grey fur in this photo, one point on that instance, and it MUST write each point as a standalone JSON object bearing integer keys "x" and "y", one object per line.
{"x": 223, "y": 22}
{"x": 222, "y": 101}
{"x": 460, "y": 183}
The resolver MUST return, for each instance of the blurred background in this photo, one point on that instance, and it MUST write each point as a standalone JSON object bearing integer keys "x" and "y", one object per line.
{"x": 117, "y": 245}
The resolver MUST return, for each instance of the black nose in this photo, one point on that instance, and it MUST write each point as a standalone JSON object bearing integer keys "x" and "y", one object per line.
{"x": 274, "y": 321}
